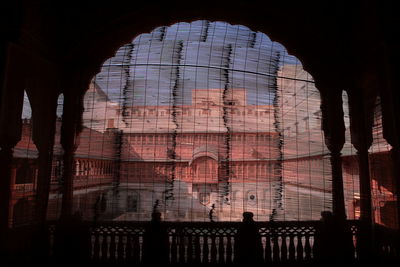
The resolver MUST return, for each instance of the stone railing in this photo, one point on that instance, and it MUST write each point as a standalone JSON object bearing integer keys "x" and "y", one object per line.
{"x": 387, "y": 243}
{"x": 200, "y": 242}
{"x": 204, "y": 243}
{"x": 24, "y": 188}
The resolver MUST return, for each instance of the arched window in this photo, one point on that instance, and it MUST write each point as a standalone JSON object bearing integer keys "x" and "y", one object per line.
{"x": 205, "y": 169}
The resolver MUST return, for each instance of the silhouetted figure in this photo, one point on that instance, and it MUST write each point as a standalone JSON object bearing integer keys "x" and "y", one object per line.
{"x": 248, "y": 246}
{"x": 72, "y": 240}
{"x": 325, "y": 238}
{"x": 155, "y": 241}
{"x": 96, "y": 209}
{"x": 333, "y": 242}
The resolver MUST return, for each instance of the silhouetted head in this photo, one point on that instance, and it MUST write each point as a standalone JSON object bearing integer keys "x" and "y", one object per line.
{"x": 156, "y": 216}
{"x": 326, "y": 215}
{"x": 248, "y": 216}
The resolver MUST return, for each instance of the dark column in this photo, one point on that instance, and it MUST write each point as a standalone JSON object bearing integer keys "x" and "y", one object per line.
{"x": 70, "y": 130}
{"x": 395, "y": 156}
{"x": 339, "y": 237}
{"x": 42, "y": 93}
{"x": 390, "y": 105}
{"x": 6, "y": 158}
{"x": 361, "y": 121}
{"x": 71, "y": 237}
{"x": 334, "y": 132}
{"x": 11, "y": 102}
{"x": 43, "y": 90}
{"x": 365, "y": 185}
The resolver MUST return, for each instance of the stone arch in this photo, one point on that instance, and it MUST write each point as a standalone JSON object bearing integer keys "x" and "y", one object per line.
{"x": 96, "y": 46}
{"x": 204, "y": 168}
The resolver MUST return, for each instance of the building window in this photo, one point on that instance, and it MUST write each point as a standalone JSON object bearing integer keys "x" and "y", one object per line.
{"x": 25, "y": 173}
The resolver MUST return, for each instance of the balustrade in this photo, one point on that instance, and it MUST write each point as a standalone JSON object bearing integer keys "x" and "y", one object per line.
{"x": 24, "y": 188}
{"x": 214, "y": 243}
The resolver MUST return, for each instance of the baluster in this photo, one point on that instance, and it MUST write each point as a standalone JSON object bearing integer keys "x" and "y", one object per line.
{"x": 382, "y": 250}
{"x": 174, "y": 249}
{"x": 104, "y": 247}
{"x": 181, "y": 248}
{"x": 140, "y": 246}
{"x": 275, "y": 249}
{"x": 358, "y": 246}
{"x": 168, "y": 246}
{"x": 205, "y": 250}
{"x": 120, "y": 249}
{"x": 221, "y": 250}
{"x": 283, "y": 248}
{"x": 129, "y": 248}
{"x": 229, "y": 250}
{"x": 213, "y": 250}
{"x": 307, "y": 248}
{"x": 268, "y": 250}
{"x": 96, "y": 247}
{"x": 391, "y": 251}
{"x": 197, "y": 251}
{"x": 136, "y": 249}
{"x": 292, "y": 249}
{"x": 299, "y": 248}
{"x": 313, "y": 246}
{"x": 190, "y": 250}
{"x": 112, "y": 247}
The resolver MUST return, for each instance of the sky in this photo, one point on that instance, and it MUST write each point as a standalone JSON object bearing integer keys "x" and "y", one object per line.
{"x": 196, "y": 55}
{"x": 187, "y": 56}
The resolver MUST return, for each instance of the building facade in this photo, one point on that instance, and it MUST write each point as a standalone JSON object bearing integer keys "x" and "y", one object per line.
{"x": 209, "y": 160}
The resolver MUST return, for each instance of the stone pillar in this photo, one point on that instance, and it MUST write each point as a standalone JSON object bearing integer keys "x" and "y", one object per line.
{"x": 11, "y": 102}
{"x": 71, "y": 237}
{"x": 334, "y": 132}
{"x": 390, "y": 105}
{"x": 70, "y": 130}
{"x": 6, "y": 159}
{"x": 365, "y": 185}
{"x": 361, "y": 121}
{"x": 43, "y": 90}
{"x": 395, "y": 156}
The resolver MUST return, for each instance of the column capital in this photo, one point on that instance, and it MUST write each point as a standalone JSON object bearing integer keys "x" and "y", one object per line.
{"x": 333, "y": 119}
{"x": 70, "y": 129}
{"x": 71, "y": 125}
{"x": 361, "y": 113}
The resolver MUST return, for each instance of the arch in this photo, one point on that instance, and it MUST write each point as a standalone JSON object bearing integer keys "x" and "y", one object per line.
{"x": 95, "y": 46}
{"x": 205, "y": 168}
{"x": 60, "y": 105}
{"x": 26, "y": 108}
{"x": 204, "y": 151}
{"x": 211, "y": 158}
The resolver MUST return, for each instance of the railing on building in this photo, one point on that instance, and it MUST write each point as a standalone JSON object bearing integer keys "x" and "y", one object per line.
{"x": 24, "y": 188}
{"x": 206, "y": 243}
{"x": 195, "y": 242}
{"x": 214, "y": 242}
